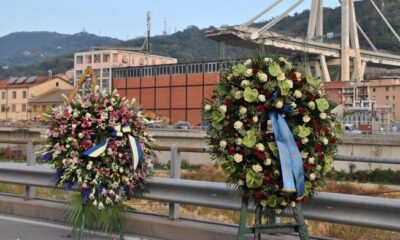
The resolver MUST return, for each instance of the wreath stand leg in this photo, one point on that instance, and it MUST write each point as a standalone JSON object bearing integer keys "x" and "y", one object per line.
{"x": 271, "y": 227}
{"x": 82, "y": 228}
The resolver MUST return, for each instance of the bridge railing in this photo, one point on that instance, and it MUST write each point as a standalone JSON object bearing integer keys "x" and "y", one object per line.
{"x": 375, "y": 212}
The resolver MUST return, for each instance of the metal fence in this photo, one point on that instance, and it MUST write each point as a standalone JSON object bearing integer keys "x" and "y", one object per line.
{"x": 364, "y": 211}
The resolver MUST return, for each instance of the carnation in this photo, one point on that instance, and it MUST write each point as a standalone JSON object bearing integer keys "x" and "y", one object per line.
{"x": 304, "y": 140}
{"x": 325, "y": 141}
{"x": 311, "y": 160}
{"x": 238, "y": 125}
{"x": 256, "y": 168}
{"x": 304, "y": 154}
{"x": 268, "y": 161}
{"x": 237, "y": 157}
{"x": 262, "y": 76}
{"x": 255, "y": 119}
{"x": 312, "y": 176}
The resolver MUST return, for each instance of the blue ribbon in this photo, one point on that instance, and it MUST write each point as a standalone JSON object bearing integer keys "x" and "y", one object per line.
{"x": 289, "y": 155}
{"x": 134, "y": 145}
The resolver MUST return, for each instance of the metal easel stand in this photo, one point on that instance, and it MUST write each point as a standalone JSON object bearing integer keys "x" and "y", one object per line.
{"x": 271, "y": 227}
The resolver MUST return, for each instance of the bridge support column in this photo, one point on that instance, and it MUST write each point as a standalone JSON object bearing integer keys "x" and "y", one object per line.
{"x": 345, "y": 42}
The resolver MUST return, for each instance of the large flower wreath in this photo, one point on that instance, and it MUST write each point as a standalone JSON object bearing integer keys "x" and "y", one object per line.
{"x": 273, "y": 131}
{"x": 99, "y": 144}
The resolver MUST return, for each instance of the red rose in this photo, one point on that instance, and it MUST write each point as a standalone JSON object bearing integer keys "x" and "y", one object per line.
{"x": 213, "y": 97}
{"x": 261, "y": 108}
{"x": 293, "y": 76}
{"x": 302, "y": 110}
{"x": 267, "y": 180}
{"x": 245, "y": 196}
{"x": 231, "y": 150}
{"x": 261, "y": 156}
{"x": 257, "y": 196}
{"x": 310, "y": 98}
{"x": 298, "y": 84}
{"x": 318, "y": 147}
{"x": 315, "y": 123}
{"x": 321, "y": 155}
{"x": 268, "y": 94}
{"x": 307, "y": 166}
{"x": 249, "y": 120}
{"x": 255, "y": 71}
{"x": 228, "y": 102}
{"x": 332, "y": 139}
{"x": 299, "y": 145}
{"x": 226, "y": 118}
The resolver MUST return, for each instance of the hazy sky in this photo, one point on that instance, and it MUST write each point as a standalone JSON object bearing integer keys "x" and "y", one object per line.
{"x": 127, "y": 18}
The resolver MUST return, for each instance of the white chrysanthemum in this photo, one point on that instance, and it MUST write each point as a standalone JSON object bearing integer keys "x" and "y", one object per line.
{"x": 312, "y": 176}
{"x": 298, "y": 94}
{"x": 262, "y": 76}
{"x": 325, "y": 141}
{"x": 304, "y": 154}
{"x": 245, "y": 83}
{"x": 223, "y": 108}
{"x": 290, "y": 83}
{"x": 279, "y": 104}
{"x": 238, "y": 141}
{"x": 255, "y": 119}
{"x": 311, "y": 105}
{"x": 306, "y": 118}
{"x": 238, "y": 95}
{"x": 268, "y": 161}
{"x": 237, "y": 157}
{"x": 261, "y": 98}
{"x": 248, "y": 62}
{"x": 222, "y": 143}
{"x": 304, "y": 140}
{"x": 256, "y": 168}
{"x": 207, "y": 107}
{"x": 322, "y": 115}
{"x": 311, "y": 160}
{"x": 281, "y": 77}
{"x": 238, "y": 125}
{"x": 260, "y": 146}
{"x": 242, "y": 110}
{"x": 249, "y": 72}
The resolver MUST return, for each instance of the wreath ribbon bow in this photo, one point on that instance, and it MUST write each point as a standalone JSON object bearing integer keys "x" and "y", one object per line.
{"x": 289, "y": 155}
{"x": 118, "y": 131}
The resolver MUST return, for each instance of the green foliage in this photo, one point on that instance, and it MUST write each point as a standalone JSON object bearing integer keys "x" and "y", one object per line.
{"x": 373, "y": 176}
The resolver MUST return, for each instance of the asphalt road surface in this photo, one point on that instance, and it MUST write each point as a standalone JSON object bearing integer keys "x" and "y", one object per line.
{"x": 20, "y": 228}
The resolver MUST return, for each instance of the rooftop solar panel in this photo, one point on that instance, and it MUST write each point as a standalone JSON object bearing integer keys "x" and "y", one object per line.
{"x": 21, "y": 80}
{"x": 12, "y": 80}
{"x": 31, "y": 79}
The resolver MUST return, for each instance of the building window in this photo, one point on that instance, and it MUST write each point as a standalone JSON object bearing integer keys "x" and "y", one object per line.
{"x": 387, "y": 89}
{"x": 393, "y": 97}
{"x": 373, "y": 89}
{"x": 106, "y": 57}
{"x": 106, "y": 84}
{"x": 96, "y": 58}
{"x": 387, "y": 97}
{"x": 106, "y": 72}
{"x": 3, "y": 95}
{"x": 14, "y": 94}
{"x": 88, "y": 58}
{"x": 23, "y": 94}
{"x": 3, "y": 108}
{"x": 13, "y": 108}
{"x": 79, "y": 59}
{"x": 34, "y": 109}
{"x": 56, "y": 84}
{"x": 23, "y": 109}
{"x": 43, "y": 108}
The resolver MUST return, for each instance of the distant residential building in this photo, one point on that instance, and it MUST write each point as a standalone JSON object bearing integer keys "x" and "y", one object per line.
{"x": 103, "y": 60}
{"x": 18, "y": 92}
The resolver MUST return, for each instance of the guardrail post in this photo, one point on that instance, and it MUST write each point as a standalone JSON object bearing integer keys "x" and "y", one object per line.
{"x": 175, "y": 172}
{"x": 31, "y": 161}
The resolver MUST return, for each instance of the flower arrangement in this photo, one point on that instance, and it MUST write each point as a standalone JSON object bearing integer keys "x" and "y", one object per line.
{"x": 99, "y": 144}
{"x": 272, "y": 130}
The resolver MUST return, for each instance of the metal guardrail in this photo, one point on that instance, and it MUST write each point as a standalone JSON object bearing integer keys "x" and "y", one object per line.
{"x": 364, "y": 211}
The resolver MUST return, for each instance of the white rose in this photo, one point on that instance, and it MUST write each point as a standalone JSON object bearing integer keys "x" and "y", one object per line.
{"x": 325, "y": 141}
{"x": 88, "y": 115}
{"x": 311, "y": 105}
{"x": 298, "y": 94}
{"x": 249, "y": 72}
{"x": 237, "y": 157}
{"x": 245, "y": 83}
{"x": 322, "y": 115}
{"x": 81, "y": 135}
{"x": 311, "y": 160}
{"x": 332, "y": 124}
{"x": 304, "y": 154}
{"x": 267, "y": 161}
{"x": 290, "y": 83}
{"x": 281, "y": 77}
{"x": 242, "y": 110}
{"x": 238, "y": 125}
{"x": 110, "y": 109}
{"x": 262, "y": 76}
{"x": 267, "y": 60}
{"x": 260, "y": 146}
{"x": 222, "y": 144}
{"x": 222, "y": 108}
{"x": 73, "y": 126}
{"x": 255, "y": 119}
{"x": 207, "y": 107}
{"x": 312, "y": 176}
{"x": 240, "y": 182}
{"x": 319, "y": 167}
{"x": 261, "y": 98}
{"x": 248, "y": 62}
{"x": 277, "y": 173}
{"x": 279, "y": 104}
{"x": 238, "y": 95}
{"x": 238, "y": 141}
{"x": 256, "y": 168}
{"x": 293, "y": 104}
{"x": 229, "y": 77}
{"x": 76, "y": 114}
{"x": 298, "y": 75}
{"x": 306, "y": 118}
{"x": 293, "y": 204}
{"x": 304, "y": 140}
